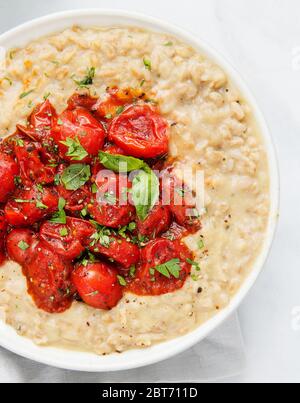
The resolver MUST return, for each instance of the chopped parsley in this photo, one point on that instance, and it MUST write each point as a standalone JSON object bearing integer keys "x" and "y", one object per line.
{"x": 63, "y": 232}
{"x": 23, "y": 245}
{"x": 194, "y": 264}
{"x": 132, "y": 271}
{"x": 47, "y": 95}
{"x": 75, "y": 150}
{"x": 102, "y": 236}
{"x": 147, "y": 64}
{"x": 88, "y": 79}
{"x": 60, "y": 216}
{"x": 200, "y": 244}
{"x": 168, "y": 269}
{"x": 25, "y": 94}
{"x": 119, "y": 110}
{"x": 169, "y": 43}
{"x": 41, "y": 205}
{"x": 122, "y": 281}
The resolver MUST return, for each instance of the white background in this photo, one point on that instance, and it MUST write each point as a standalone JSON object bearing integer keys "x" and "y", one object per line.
{"x": 262, "y": 39}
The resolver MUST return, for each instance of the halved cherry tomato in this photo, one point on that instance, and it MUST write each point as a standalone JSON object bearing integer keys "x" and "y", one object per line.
{"x": 34, "y": 163}
{"x": 111, "y": 206}
{"x": 3, "y": 228}
{"x": 115, "y": 99}
{"x": 41, "y": 122}
{"x": 98, "y": 285}
{"x": 48, "y": 280}
{"x": 80, "y": 126}
{"x": 181, "y": 201}
{"x": 157, "y": 222}
{"x": 119, "y": 250}
{"x": 67, "y": 239}
{"x": 8, "y": 171}
{"x": 81, "y": 101}
{"x": 76, "y": 200}
{"x": 140, "y": 131}
{"x": 19, "y": 245}
{"x": 148, "y": 280}
{"x": 30, "y": 206}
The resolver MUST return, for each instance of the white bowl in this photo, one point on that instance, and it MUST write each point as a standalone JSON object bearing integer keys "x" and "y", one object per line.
{"x": 137, "y": 358}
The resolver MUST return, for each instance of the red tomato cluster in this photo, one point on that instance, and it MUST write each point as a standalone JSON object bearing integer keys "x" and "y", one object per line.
{"x": 70, "y": 243}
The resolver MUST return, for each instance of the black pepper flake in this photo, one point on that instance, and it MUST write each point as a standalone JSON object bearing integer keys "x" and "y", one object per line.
{"x": 200, "y": 289}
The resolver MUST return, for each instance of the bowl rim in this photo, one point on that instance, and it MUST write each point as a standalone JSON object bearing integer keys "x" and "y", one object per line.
{"x": 131, "y": 359}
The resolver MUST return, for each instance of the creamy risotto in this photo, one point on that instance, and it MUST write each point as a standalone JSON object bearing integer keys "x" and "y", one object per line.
{"x": 212, "y": 129}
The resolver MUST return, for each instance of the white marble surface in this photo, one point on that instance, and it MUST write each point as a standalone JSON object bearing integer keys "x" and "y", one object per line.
{"x": 262, "y": 39}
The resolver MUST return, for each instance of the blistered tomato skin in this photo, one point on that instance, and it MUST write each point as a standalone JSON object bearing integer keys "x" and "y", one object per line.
{"x": 157, "y": 222}
{"x": 68, "y": 239}
{"x": 76, "y": 200}
{"x": 41, "y": 122}
{"x": 19, "y": 245}
{"x": 154, "y": 254}
{"x": 8, "y": 171}
{"x": 30, "y": 206}
{"x": 79, "y": 125}
{"x": 98, "y": 285}
{"x": 111, "y": 207}
{"x": 119, "y": 250}
{"x": 81, "y": 101}
{"x": 116, "y": 98}
{"x": 140, "y": 131}
{"x": 181, "y": 202}
{"x": 48, "y": 280}
{"x": 34, "y": 163}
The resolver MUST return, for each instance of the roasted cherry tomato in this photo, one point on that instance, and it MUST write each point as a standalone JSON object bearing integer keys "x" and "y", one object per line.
{"x": 114, "y": 149}
{"x": 48, "y": 279}
{"x": 41, "y": 122}
{"x": 157, "y": 222}
{"x": 116, "y": 98}
{"x": 149, "y": 281}
{"x": 85, "y": 131}
{"x": 8, "y": 171}
{"x": 34, "y": 162}
{"x": 140, "y": 131}
{"x": 98, "y": 285}
{"x": 76, "y": 200}
{"x": 30, "y": 206}
{"x": 119, "y": 250}
{"x": 111, "y": 206}
{"x": 3, "y": 228}
{"x": 19, "y": 245}
{"x": 81, "y": 101}
{"x": 181, "y": 201}
{"x": 68, "y": 239}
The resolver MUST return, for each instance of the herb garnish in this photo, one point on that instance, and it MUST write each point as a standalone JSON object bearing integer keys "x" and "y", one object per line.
{"x": 23, "y": 245}
{"x": 147, "y": 64}
{"x": 122, "y": 281}
{"x": 75, "y": 150}
{"x": 60, "y": 216}
{"x": 25, "y": 94}
{"x": 168, "y": 269}
{"x": 75, "y": 176}
{"x": 145, "y": 185}
{"x": 88, "y": 79}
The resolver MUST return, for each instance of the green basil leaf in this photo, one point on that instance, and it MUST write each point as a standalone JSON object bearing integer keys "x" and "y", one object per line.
{"x": 145, "y": 192}
{"x": 120, "y": 163}
{"x": 75, "y": 176}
